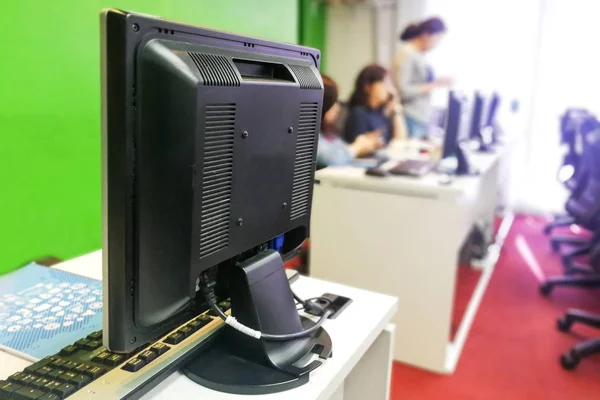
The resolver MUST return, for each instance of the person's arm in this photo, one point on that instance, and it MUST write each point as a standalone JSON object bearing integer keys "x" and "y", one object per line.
{"x": 399, "y": 131}
{"x": 357, "y": 123}
{"x": 332, "y": 153}
{"x": 394, "y": 112}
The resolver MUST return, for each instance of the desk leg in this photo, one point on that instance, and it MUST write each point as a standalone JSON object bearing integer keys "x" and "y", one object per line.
{"x": 371, "y": 377}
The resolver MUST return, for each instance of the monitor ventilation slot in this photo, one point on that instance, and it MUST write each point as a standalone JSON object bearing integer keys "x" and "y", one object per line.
{"x": 306, "y": 77}
{"x": 217, "y": 174}
{"x": 215, "y": 70}
{"x": 303, "y": 163}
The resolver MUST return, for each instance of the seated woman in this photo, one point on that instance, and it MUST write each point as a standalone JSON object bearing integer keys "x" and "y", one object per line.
{"x": 331, "y": 149}
{"x": 374, "y": 106}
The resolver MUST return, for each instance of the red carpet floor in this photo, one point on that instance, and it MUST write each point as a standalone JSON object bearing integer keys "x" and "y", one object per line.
{"x": 513, "y": 348}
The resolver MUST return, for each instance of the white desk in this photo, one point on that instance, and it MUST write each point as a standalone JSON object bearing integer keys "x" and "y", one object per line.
{"x": 402, "y": 236}
{"x": 362, "y": 347}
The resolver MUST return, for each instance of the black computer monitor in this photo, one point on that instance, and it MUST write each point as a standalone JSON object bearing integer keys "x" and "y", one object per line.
{"x": 493, "y": 105}
{"x": 208, "y": 145}
{"x": 452, "y": 125}
{"x": 477, "y": 117}
{"x": 480, "y": 131}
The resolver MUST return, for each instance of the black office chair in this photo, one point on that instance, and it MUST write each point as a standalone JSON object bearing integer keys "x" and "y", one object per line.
{"x": 586, "y": 210}
{"x": 580, "y": 204}
{"x": 570, "y": 135}
{"x": 571, "y": 359}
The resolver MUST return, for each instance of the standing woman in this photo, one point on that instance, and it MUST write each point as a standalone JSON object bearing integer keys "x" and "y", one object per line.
{"x": 413, "y": 77}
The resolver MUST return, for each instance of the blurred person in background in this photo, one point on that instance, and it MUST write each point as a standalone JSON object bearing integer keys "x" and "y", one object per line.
{"x": 332, "y": 150}
{"x": 374, "y": 106}
{"x": 414, "y": 78}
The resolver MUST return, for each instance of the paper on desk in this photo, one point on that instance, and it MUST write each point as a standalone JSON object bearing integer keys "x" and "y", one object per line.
{"x": 43, "y": 310}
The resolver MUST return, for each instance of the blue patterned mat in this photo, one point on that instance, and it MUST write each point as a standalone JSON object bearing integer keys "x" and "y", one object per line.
{"x": 43, "y": 310}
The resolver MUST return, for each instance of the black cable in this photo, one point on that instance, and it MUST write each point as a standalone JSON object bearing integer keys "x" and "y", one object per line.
{"x": 211, "y": 299}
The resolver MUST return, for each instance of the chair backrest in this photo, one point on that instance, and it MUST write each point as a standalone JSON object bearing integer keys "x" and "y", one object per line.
{"x": 580, "y": 123}
{"x": 584, "y": 204}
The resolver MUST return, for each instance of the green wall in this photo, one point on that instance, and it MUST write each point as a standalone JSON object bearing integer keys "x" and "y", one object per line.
{"x": 312, "y": 26}
{"x": 50, "y": 111}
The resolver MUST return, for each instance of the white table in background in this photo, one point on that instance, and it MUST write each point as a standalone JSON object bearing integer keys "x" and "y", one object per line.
{"x": 402, "y": 236}
{"x": 362, "y": 347}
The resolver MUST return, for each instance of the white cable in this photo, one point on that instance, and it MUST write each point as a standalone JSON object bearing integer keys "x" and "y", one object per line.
{"x": 231, "y": 321}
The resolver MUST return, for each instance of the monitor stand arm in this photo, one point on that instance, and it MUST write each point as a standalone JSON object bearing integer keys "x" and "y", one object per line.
{"x": 261, "y": 298}
{"x": 464, "y": 166}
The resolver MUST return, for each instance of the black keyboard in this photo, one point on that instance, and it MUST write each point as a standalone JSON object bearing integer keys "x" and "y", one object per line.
{"x": 413, "y": 167}
{"x": 75, "y": 371}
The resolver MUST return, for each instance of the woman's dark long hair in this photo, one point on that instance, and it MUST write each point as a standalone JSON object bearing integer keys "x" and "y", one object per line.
{"x": 431, "y": 26}
{"x": 330, "y": 97}
{"x": 410, "y": 32}
{"x": 370, "y": 74}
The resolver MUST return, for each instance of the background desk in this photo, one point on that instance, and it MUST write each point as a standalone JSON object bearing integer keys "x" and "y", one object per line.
{"x": 402, "y": 236}
{"x": 362, "y": 343}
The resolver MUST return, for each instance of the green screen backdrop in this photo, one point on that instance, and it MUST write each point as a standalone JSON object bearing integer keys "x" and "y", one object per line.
{"x": 50, "y": 111}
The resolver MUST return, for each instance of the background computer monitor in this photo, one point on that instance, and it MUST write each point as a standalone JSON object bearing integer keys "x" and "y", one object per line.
{"x": 492, "y": 110}
{"x": 208, "y": 147}
{"x": 477, "y": 117}
{"x": 452, "y": 126}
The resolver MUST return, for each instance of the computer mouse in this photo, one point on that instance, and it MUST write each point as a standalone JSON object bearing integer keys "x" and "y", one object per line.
{"x": 378, "y": 172}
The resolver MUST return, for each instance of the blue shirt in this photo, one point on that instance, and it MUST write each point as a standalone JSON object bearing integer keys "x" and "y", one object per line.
{"x": 363, "y": 120}
{"x": 332, "y": 151}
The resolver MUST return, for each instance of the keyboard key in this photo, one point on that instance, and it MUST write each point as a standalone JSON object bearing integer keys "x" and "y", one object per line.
{"x": 80, "y": 380}
{"x": 95, "y": 336}
{"x": 50, "y": 386}
{"x": 204, "y": 319}
{"x": 39, "y": 383}
{"x": 27, "y": 393}
{"x": 147, "y": 356}
{"x": 16, "y": 376}
{"x": 66, "y": 377}
{"x": 64, "y": 390}
{"x": 101, "y": 357}
{"x": 225, "y": 305}
{"x": 92, "y": 345}
{"x": 71, "y": 365}
{"x": 95, "y": 372}
{"x": 174, "y": 338}
{"x": 43, "y": 371}
{"x": 160, "y": 348}
{"x": 81, "y": 369}
{"x": 55, "y": 373}
{"x": 69, "y": 350}
{"x": 27, "y": 379}
{"x": 8, "y": 388}
{"x": 195, "y": 325}
{"x": 43, "y": 362}
{"x": 113, "y": 360}
{"x": 58, "y": 363}
{"x": 81, "y": 342}
{"x": 185, "y": 331}
{"x": 134, "y": 365}
{"x": 49, "y": 396}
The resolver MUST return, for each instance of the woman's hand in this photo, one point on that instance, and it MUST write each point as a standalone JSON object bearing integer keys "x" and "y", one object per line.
{"x": 393, "y": 105}
{"x": 367, "y": 143}
{"x": 444, "y": 81}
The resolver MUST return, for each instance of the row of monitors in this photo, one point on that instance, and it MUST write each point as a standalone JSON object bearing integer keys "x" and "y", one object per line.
{"x": 470, "y": 123}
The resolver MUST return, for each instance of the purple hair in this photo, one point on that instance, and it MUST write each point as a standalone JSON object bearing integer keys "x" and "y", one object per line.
{"x": 430, "y": 26}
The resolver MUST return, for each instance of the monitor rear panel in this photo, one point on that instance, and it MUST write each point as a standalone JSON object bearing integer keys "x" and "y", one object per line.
{"x": 209, "y": 146}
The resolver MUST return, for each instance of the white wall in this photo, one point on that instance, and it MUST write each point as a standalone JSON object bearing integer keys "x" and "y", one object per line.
{"x": 358, "y": 35}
